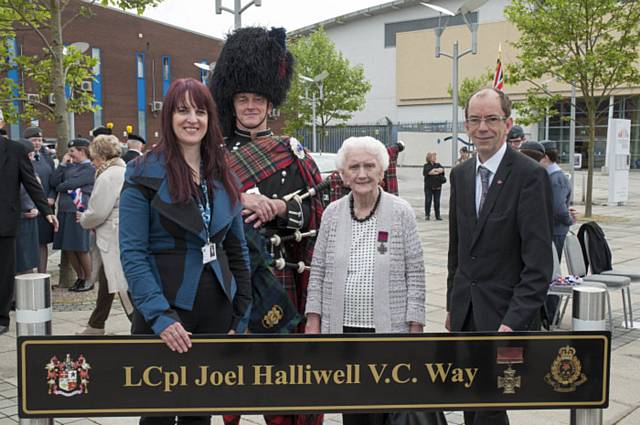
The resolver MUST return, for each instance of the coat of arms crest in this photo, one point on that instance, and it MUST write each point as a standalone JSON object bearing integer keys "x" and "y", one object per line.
{"x": 69, "y": 377}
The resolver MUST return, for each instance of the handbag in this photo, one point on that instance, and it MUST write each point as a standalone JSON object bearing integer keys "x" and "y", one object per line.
{"x": 442, "y": 179}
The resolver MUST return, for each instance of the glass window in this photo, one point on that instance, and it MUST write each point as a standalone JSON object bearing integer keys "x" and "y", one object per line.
{"x": 165, "y": 68}
{"x": 140, "y": 66}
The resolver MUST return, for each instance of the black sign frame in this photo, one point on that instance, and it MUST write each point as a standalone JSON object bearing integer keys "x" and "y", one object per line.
{"x": 535, "y": 379}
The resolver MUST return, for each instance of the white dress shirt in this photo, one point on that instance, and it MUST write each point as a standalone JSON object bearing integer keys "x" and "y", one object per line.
{"x": 492, "y": 165}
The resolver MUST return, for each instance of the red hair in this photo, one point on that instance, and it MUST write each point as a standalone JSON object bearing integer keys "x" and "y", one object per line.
{"x": 212, "y": 149}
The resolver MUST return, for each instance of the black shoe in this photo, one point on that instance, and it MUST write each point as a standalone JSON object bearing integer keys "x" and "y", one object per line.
{"x": 4, "y": 329}
{"x": 438, "y": 218}
{"x": 78, "y": 283}
{"x": 86, "y": 286}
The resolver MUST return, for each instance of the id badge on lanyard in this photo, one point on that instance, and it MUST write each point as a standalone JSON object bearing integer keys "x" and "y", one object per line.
{"x": 209, "y": 249}
{"x": 209, "y": 253}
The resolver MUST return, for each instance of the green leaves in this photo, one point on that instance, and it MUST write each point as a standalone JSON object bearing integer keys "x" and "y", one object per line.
{"x": 344, "y": 89}
{"x": 138, "y": 5}
{"x": 594, "y": 44}
{"x": 51, "y": 70}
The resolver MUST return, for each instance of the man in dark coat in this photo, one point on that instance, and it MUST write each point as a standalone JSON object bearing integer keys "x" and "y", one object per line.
{"x": 500, "y": 228}
{"x": 15, "y": 168}
{"x": 135, "y": 144}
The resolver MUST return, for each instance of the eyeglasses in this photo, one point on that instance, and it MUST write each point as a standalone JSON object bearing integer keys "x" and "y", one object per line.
{"x": 490, "y": 121}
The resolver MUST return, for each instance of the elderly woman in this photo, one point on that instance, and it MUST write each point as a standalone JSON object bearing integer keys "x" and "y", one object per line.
{"x": 367, "y": 273}
{"x": 102, "y": 215}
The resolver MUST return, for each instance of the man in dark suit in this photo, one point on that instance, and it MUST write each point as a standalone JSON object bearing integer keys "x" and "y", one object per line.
{"x": 135, "y": 144}
{"x": 15, "y": 168}
{"x": 500, "y": 261}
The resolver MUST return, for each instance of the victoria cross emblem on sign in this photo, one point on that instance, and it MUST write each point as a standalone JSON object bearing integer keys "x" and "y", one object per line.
{"x": 509, "y": 382}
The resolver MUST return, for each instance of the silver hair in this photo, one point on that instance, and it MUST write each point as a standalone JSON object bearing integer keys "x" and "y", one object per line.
{"x": 368, "y": 144}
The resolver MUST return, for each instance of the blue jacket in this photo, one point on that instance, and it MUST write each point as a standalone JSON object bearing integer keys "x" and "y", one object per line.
{"x": 71, "y": 177}
{"x": 161, "y": 242}
{"x": 561, "y": 189}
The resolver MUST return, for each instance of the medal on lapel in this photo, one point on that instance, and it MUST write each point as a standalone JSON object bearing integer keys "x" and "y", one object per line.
{"x": 383, "y": 238}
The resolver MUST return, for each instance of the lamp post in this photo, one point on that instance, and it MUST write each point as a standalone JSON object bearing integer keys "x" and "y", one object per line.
{"x": 467, "y": 7}
{"x": 81, "y": 47}
{"x": 318, "y": 80}
{"x": 237, "y": 10}
{"x": 572, "y": 139}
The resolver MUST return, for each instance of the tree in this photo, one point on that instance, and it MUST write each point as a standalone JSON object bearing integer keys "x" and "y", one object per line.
{"x": 470, "y": 85}
{"x": 58, "y": 69}
{"x": 594, "y": 44}
{"x": 344, "y": 89}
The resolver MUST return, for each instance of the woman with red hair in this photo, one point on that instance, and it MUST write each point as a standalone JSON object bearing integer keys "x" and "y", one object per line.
{"x": 182, "y": 243}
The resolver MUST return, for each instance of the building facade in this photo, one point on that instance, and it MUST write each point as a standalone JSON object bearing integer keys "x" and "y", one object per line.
{"x": 138, "y": 58}
{"x": 395, "y": 43}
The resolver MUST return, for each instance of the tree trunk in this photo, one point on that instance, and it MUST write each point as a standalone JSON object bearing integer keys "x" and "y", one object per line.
{"x": 61, "y": 120}
{"x": 591, "y": 119}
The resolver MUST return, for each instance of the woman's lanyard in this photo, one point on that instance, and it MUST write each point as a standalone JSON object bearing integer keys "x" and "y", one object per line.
{"x": 209, "y": 249}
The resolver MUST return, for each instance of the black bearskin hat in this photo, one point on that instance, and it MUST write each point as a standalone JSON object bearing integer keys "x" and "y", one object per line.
{"x": 253, "y": 60}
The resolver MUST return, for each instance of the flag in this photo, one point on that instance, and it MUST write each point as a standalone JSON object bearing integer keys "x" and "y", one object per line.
{"x": 498, "y": 79}
{"x": 76, "y": 197}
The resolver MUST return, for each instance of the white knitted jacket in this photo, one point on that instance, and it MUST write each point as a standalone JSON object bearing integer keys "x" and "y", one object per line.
{"x": 399, "y": 277}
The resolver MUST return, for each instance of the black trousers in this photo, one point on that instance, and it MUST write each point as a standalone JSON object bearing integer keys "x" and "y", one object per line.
{"x": 7, "y": 276}
{"x": 482, "y": 417}
{"x": 211, "y": 314}
{"x": 429, "y": 194}
{"x": 362, "y": 418}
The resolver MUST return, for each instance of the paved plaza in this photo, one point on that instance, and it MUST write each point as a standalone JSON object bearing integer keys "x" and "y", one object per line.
{"x": 620, "y": 223}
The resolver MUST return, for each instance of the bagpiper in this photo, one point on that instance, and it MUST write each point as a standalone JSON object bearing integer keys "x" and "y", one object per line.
{"x": 251, "y": 77}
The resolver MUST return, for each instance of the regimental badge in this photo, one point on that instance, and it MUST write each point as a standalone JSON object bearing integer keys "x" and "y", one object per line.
{"x": 296, "y": 147}
{"x": 509, "y": 356}
{"x": 566, "y": 371}
{"x": 272, "y": 317}
{"x": 69, "y": 377}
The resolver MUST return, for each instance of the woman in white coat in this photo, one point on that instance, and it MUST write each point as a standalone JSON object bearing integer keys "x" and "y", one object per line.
{"x": 102, "y": 215}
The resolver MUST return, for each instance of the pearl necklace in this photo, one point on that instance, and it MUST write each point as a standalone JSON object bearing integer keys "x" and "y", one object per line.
{"x": 373, "y": 210}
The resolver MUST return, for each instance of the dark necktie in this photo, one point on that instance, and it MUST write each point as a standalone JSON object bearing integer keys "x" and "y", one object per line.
{"x": 37, "y": 156}
{"x": 484, "y": 179}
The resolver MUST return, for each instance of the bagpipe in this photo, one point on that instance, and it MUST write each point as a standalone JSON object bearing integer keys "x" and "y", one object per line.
{"x": 273, "y": 311}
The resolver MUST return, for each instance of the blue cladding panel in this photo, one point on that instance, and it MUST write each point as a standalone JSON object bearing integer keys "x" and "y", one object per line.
{"x": 15, "y": 77}
{"x": 166, "y": 74}
{"x": 142, "y": 95}
{"x": 97, "y": 88}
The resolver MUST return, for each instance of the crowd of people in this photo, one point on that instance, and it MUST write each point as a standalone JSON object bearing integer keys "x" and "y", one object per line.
{"x": 189, "y": 231}
{"x": 83, "y": 227}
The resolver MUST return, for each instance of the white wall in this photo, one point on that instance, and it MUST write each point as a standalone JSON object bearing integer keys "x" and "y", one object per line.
{"x": 418, "y": 144}
{"x": 362, "y": 42}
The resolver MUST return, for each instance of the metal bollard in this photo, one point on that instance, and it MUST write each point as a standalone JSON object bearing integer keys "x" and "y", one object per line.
{"x": 33, "y": 315}
{"x": 588, "y": 315}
